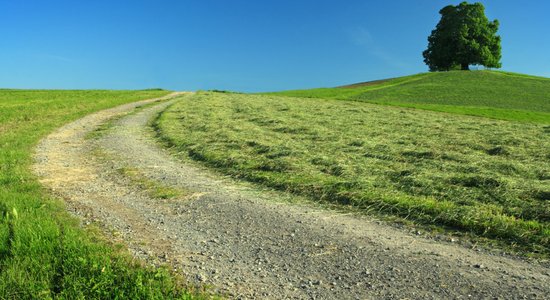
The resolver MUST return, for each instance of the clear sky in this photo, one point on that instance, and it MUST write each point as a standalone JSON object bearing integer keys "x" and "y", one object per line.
{"x": 242, "y": 45}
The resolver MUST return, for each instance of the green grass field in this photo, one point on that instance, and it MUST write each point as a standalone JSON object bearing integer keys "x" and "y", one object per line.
{"x": 498, "y": 95}
{"x": 486, "y": 176}
{"x": 483, "y": 176}
{"x": 44, "y": 254}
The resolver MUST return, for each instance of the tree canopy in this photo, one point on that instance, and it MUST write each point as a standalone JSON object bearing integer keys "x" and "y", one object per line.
{"x": 463, "y": 37}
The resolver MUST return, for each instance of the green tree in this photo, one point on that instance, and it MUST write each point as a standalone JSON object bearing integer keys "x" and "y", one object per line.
{"x": 463, "y": 37}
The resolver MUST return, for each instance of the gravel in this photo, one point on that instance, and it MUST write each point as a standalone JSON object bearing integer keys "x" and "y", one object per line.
{"x": 246, "y": 242}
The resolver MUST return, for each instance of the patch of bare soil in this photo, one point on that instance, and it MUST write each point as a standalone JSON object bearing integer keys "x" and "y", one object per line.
{"x": 249, "y": 243}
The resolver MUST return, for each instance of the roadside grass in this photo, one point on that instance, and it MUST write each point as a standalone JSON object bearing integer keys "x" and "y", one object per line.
{"x": 481, "y": 176}
{"x": 492, "y": 94}
{"x": 43, "y": 251}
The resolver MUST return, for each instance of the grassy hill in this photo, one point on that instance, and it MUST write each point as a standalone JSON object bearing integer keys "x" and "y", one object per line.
{"x": 498, "y": 95}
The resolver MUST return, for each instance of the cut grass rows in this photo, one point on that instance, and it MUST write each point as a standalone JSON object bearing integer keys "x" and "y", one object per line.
{"x": 43, "y": 251}
{"x": 479, "y": 175}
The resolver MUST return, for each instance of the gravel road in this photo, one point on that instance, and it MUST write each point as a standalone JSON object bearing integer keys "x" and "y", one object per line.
{"x": 249, "y": 243}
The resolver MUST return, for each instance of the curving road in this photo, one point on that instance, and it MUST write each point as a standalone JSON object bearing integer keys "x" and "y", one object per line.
{"x": 250, "y": 243}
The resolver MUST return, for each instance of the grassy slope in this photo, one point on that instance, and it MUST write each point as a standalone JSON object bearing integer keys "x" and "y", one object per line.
{"x": 43, "y": 252}
{"x": 498, "y": 95}
{"x": 486, "y": 176}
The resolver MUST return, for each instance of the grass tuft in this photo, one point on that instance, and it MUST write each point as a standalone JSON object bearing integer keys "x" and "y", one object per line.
{"x": 153, "y": 188}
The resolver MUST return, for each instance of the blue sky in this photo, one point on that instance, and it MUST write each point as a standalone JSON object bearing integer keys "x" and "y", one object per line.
{"x": 241, "y": 45}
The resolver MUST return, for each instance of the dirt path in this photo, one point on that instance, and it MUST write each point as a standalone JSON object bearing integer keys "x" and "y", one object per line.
{"x": 249, "y": 243}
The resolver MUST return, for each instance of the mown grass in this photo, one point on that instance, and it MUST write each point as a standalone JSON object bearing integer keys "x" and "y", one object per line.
{"x": 487, "y": 177}
{"x": 498, "y": 95}
{"x": 44, "y": 253}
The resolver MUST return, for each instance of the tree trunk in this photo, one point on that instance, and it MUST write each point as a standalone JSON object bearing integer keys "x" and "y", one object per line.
{"x": 465, "y": 66}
